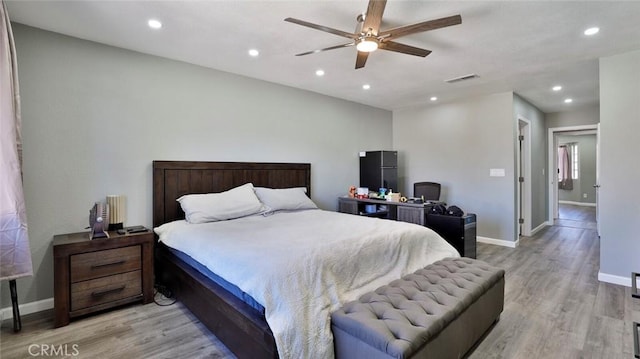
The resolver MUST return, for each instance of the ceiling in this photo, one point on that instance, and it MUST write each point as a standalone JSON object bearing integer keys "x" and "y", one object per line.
{"x": 521, "y": 46}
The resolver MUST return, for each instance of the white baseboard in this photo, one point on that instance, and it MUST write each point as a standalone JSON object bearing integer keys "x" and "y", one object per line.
{"x": 497, "y": 242}
{"x": 27, "y": 308}
{"x": 585, "y": 204}
{"x": 614, "y": 279}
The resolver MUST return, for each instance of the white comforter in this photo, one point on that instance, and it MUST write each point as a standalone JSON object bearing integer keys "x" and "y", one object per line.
{"x": 303, "y": 265}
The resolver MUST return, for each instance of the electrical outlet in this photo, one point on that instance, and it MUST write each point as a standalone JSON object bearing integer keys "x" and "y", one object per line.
{"x": 584, "y": 195}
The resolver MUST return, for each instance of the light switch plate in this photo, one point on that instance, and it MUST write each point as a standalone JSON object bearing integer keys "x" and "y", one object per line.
{"x": 496, "y": 172}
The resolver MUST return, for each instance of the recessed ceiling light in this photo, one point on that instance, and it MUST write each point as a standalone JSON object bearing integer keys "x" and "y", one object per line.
{"x": 154, "y": 24}
{"x": 254, "y": 52}
{"x": 568, "y": 100}
{"x": 366, "y": 86}
{"x": 591, "y": 31}
{"x": 320, "y": 72}
{"x": 433, "y": 98}
{"x": 556, "y": 88}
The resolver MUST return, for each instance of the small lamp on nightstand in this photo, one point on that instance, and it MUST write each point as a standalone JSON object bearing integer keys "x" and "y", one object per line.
{"x": 116, "y": 211}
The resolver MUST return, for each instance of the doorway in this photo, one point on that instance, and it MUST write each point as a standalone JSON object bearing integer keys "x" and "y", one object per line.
{"x": 573, "y": 168}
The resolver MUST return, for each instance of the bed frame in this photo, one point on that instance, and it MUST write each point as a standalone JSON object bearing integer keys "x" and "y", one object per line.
{"x": 240, "y": 327}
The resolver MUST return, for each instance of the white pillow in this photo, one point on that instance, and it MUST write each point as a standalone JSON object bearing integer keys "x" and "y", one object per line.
{"x": 211, "y": 207}
{"x": 288, "y": 199}
{"x": 170, "y": 230}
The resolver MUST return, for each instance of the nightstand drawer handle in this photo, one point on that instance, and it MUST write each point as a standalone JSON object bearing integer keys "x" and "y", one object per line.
{"x": 107, "y": 291}
{"x": 95, "y": 266}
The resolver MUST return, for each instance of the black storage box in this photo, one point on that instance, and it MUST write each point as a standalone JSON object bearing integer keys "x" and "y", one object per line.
{"x": 460, "y": 232}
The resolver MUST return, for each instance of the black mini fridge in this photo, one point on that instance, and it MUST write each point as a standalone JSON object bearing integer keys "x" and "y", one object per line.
{"x": 379, "y": 169}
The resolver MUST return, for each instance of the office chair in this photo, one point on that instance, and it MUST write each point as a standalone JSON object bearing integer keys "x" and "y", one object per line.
{"x": 430, "y": 190}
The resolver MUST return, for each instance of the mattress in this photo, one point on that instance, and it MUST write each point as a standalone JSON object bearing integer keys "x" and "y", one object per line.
{"x": 237, "y": 292}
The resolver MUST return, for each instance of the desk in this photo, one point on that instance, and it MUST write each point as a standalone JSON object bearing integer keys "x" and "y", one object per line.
{"x": 460, "y": 232}
{"x": 397, "y": 211}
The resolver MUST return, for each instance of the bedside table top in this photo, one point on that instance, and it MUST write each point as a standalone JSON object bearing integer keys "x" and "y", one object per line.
{"x": 69, "y": 238}
{"x": 80, "y": 241}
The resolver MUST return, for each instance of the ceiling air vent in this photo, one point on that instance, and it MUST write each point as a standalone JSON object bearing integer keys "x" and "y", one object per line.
{"x": 461, "y": 78}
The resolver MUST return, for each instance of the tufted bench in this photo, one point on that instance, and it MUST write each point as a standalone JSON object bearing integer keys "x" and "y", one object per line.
{"x": 439, "y": 311}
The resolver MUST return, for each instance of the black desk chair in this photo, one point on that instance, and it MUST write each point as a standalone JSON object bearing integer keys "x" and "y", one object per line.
{"x": 430, "y": 190}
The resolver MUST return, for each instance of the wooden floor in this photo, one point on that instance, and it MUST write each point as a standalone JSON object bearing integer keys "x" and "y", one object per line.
{"x": 554, "y": 308}
{"x": 554, "y": 305}
{"x": 570, "y": 215}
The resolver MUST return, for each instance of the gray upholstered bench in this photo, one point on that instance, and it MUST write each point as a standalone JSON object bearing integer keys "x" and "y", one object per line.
{"x": 439, "y": 311}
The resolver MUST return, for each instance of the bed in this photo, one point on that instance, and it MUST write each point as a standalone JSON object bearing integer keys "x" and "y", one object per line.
{"x": 241, "y": 326}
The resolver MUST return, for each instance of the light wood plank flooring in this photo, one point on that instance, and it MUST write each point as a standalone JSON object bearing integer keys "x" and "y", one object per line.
{"x": 554, "y": 308}
{"x": 570, "y": 215}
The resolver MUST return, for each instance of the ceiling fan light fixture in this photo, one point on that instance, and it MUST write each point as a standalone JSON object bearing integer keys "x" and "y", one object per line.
{"x": 368, "y": 36}
{"x": 367, "y": 44}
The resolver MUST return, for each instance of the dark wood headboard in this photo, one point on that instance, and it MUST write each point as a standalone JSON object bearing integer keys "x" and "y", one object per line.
{"x": 172, "y": 179}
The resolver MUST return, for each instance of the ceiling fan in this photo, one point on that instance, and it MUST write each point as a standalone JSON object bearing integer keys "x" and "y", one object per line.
{"x": 368, "y": 36}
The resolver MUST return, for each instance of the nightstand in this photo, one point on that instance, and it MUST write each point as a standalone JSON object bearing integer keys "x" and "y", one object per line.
{"x": 93, "y": 275}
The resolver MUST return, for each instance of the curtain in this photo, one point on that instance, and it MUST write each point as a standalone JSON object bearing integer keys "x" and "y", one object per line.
{"x": 15, "y": 256}
{"x": 564, "y": 168}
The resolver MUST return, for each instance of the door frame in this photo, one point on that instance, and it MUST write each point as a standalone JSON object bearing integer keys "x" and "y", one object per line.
{"x": 553, "y": 164}
{"x": 523, "y": 200}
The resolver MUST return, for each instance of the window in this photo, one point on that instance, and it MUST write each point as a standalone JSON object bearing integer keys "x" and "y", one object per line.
{"x": 572, "y": 149}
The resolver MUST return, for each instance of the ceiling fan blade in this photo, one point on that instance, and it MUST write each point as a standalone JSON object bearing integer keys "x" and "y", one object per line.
{"x": 326, "y": 49}
{"x": 421, "y": 27}
{"x": 348, "y": 35}
{"x": 361, "y": 59}
{"x": 402, "y": 48}
{"x": 373, "y": 18}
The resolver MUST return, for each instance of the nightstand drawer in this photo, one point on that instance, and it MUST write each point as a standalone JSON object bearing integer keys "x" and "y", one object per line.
{"x": 103, "y": 263}
{"x": 102, "y": 290}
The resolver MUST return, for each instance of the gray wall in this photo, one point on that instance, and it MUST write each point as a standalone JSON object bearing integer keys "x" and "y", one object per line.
{"x": 619, "y": 197}
{"x": 96, "y": 116}
{"x": 456, "y": 144}
{"x": 539, "y": 199}
{"x": 586, "y": 170}
{"x": 586, "y": 115}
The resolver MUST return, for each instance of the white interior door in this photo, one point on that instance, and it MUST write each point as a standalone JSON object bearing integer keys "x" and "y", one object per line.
{"x": 597, "y": 184}
{"x": 524, "y": 177}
